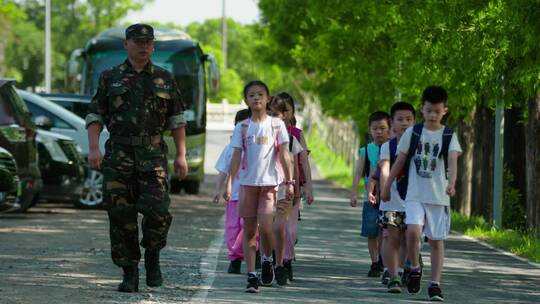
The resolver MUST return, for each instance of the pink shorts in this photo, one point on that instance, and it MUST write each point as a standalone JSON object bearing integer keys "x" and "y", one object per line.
{"x": 255, "y": 200}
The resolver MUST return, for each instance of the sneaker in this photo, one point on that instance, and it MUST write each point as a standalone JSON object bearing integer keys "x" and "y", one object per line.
{"x": 253, "y": 284}
{"x": 374, "y": 271}
{"x": 281, "y": 275}
{"x": 234, "y": 266}
{"x": 403, "y": 275}
{"x": 267, "y": 273}
{"x": 385, "y": 277}
{"x": 435, "y": 293}
{"x": 413, "y": 281}
{"x": 288, "y": 266}
{"x": 395, "y": 285}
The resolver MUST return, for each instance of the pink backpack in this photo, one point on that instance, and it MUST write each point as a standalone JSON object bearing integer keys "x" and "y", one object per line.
{"x": 297, "y": 133}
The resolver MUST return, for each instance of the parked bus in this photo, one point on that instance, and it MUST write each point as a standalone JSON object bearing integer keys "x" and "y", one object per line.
{"x": 176, "y": 52}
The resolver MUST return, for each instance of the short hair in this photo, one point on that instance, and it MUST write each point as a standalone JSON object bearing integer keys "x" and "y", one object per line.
{"x": 435, "y": 94}
{"x": 241, "y": 115}
{"x": 402, "y": 106}
{"x": 377, "y": 116}
{"x": 256, "y": 83}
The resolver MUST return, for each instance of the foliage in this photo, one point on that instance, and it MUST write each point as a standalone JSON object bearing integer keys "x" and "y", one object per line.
{"x": 513, "y": 208}
{"x": 521, "y": 243}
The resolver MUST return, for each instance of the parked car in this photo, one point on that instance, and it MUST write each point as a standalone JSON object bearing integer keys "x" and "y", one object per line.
{"x": 49, "y": 116}
{"x": 9, "y": 182}
{"x": 17, "y": 135}
{"x": 62, "y": 166}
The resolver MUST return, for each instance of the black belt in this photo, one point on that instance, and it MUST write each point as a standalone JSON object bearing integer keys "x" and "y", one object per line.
{"x": 136, "y": 140}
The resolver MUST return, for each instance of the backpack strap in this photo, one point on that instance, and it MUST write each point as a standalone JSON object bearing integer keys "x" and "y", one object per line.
{"x": 446, "y": 138}
{"x": 367, "y": 168}
{"x": 291, "y": 138}
{"x": 276, "y": 131}
{"x": 392, "y": 147}
{"x": 244, "y": 125}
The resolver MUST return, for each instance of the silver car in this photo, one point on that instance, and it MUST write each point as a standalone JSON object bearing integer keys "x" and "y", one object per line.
{"x": 52, "y": 117}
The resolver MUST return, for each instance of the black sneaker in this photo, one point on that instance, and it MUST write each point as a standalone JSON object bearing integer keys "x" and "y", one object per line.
{"x": 413, "y": 281}
{"x": 253, "y": 284}
{"x": 395, "y": 285}
{"x": 281, "y": 275}
{"x": 267, "y": 273}
{"x": 288, "y": 266}
{"x": 374, "y": 271}
{"x": 235, "y": 266}
{"x": 435, "y": 293}
{"x": 385, "y": 277}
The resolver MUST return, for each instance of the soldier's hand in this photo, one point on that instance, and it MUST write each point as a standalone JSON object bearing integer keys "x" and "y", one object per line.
{"x": 180, "y": 166}
{"x": 95, "y": 158}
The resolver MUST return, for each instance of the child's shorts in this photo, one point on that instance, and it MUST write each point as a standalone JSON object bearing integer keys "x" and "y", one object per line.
{"x": 283, "y": 206}
{"x": 434, "y": 218}
{"x": 370, "y": 225}
{"x": 256, "y": 200}
{"x": 392, "y": 218}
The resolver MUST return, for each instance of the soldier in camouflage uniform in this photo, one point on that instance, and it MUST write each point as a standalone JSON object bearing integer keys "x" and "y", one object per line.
{"x": 137, "y": 101}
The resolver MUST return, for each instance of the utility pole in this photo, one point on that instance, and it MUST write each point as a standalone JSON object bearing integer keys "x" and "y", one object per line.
{"x": 48, "y": 46}
{"x": 498, "y": 167}
{"x": 224, "y": 36}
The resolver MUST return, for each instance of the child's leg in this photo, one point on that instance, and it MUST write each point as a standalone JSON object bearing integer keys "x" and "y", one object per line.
{"x": 402, "y": 250}
{"x": 390, "y": 249}
{"x": 280, "y": 220}
{"x": 232, "y": 230}
{"x": 413, "y": 234}
{"x": 373, "y": 248}
{"x": 370, "y": 229}
{"x": 291, "y": 231}
{"x": 437, "y": 258}
{"x": 266, "y": 235}
{"x": 250, "y": 242}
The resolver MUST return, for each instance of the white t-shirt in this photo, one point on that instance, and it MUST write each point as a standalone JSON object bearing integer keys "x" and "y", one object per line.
{"x": 261, "y": 155}
{"x": 427, "y": 177}
{"x": 396, "y": 203}
{"x": 294, "y": 151}
{"x": 223, "y": 165}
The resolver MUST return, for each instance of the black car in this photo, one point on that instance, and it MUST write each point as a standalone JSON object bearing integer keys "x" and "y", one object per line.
{"x": 9, "y": 182}
{"x": 62, "y": 167}
{"x": 17, "y": 135}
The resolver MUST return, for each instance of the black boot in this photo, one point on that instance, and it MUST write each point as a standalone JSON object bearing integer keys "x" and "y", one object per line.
{"x": 153, "y": 273}
{"x": 130, "y": 282}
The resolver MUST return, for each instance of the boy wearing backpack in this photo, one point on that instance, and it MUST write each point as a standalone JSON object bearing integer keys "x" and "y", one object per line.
{"x": 379, "y": 126}
{"x": 429, "y": 154}
{"x": 393, "y": 211}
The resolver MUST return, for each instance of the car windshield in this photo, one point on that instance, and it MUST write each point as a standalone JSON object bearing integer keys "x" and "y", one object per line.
{"x": 7, "y": 115}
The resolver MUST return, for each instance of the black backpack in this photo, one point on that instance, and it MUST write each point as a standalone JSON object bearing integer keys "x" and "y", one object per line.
{"x": 403, "y": 182}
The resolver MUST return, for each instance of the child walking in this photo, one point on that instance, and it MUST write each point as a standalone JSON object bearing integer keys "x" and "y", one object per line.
{"x": 258, "y": 143}
{"x": 393, "y": 211}
{"x": 428, "y": 152}
{"x": 233, "y": 223}
{"x": 379, "y": 128}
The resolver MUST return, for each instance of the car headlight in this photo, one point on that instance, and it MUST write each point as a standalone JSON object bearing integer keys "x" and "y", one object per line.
{"x": 195, "y": 153}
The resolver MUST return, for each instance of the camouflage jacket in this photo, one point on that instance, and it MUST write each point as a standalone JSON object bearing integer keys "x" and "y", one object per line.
{"x": 137, "y": 104}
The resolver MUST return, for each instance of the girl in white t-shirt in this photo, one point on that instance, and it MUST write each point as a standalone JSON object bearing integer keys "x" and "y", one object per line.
{"x": 258, "y": 143}
{"x": 233, "y": 223}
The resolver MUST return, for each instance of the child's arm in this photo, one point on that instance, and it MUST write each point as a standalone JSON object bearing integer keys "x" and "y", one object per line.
{"x": 306, "y": 168}
{"x": 219, "y": 186}
{"x": 394, "y": 171}
{"x": 372, "y": 183}
{"x": 356, "y": 180}
{"x": 235, "y": 165}
{"x": 452, "y": 172}
{"x": 287, "y": 169}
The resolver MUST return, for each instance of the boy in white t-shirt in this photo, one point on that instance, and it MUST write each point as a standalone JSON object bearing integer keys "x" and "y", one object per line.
{"x": 393, "y": 211}
{"x": 233, "y": 223}
{"x": 432, "y": 150}
{"x": 258, "y": 143}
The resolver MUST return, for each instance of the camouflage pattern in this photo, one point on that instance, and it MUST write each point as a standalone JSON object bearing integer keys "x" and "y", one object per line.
{"x": 135, "y": 177}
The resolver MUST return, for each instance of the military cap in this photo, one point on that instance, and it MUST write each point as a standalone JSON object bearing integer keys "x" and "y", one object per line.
{"x": 139, "y": 30}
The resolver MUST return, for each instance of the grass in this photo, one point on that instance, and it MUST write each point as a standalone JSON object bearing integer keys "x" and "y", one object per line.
{"x": 521, "y": 243}
{"x": 526, "y": 245}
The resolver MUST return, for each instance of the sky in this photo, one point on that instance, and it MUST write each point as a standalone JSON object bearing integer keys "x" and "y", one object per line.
{"x": 184, "y": 12}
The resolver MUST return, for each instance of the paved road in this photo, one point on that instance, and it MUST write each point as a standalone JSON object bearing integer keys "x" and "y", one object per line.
{"x": 56, "y": 254}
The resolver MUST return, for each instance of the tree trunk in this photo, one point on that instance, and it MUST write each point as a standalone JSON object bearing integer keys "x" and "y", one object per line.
{"x": 483, "y": 163}
{"x": 533, "y": 165}
{"x": 466, "y": 134}
{"x": 515, "y": 150}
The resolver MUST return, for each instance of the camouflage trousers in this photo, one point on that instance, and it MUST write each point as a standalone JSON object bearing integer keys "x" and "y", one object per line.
{"x": 130, "y": 187}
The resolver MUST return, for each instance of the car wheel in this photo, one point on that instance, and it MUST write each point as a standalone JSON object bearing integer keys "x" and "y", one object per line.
{"x": 92, "y": 196}
{"x": 176, "y": 186}
{"x": 192, "y": 187}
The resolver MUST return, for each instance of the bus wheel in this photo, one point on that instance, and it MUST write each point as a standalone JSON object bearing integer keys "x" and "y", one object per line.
{"x": 176, "y": 186}
{"x": 192, "y": 187}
